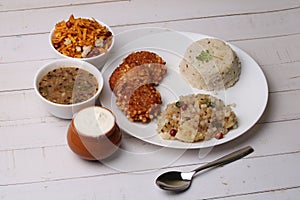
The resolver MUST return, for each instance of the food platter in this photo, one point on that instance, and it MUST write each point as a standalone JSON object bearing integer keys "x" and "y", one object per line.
{"x": 249, "y": 94}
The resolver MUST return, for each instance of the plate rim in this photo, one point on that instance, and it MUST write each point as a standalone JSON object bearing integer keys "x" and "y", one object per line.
{"x": 197, "y": 145}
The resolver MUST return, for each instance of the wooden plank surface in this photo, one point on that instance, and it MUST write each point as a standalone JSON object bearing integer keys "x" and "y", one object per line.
{"x": 280, "y": 50}
{"x": 26, "y": 106}
{"x": 53, "y": 150}
{"x": 141, "y": 12}
{"x": 249, "y": 177}
{"x": 12, "y": 6}
{"x": 36, "y": 162}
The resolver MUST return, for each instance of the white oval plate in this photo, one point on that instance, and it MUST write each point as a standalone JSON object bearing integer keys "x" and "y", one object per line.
{"x": 250, "y": 93}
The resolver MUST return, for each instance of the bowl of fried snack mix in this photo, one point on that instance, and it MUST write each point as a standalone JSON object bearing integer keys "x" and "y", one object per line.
{"x": 81, "y": 38}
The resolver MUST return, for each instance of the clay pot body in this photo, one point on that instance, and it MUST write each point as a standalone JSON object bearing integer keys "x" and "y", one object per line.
{"x": 94, "y": 147}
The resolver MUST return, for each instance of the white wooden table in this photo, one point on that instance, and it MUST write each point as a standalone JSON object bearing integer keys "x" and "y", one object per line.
{"x": 35, "y": 161}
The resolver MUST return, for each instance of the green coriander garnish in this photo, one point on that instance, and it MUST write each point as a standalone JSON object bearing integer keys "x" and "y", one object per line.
{"x": 204, "y": 56}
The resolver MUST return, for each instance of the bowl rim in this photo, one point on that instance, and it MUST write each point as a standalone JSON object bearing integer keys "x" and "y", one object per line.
{"x": 77, "y": 63}
{"x": 83, "y": 59}
{"x": 86, "y": 136}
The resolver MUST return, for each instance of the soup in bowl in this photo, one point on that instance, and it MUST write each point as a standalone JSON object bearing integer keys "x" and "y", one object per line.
{"x": 66, "y": 86}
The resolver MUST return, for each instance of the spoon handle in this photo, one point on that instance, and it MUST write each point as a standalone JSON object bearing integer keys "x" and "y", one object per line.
{"x": 227, "y": 159}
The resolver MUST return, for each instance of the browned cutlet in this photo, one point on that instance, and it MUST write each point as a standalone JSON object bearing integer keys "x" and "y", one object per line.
{"x": 131, "y": 80}
{"x": 132, "y": 83}
{"x": 142, "y": 59}
{"x": 157, "y": 72}
{"x": 141, "y": 104}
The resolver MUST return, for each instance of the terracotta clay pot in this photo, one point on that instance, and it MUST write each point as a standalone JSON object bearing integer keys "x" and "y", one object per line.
{"x": 96, "y": 147}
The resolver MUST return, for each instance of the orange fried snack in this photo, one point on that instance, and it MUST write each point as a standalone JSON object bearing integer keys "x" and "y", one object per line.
{"x": 81, "y": 37}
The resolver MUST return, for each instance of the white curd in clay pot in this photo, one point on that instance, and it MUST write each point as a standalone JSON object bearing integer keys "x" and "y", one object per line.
{"x": 94, "y": 121}
{"x": 94, "y": 134}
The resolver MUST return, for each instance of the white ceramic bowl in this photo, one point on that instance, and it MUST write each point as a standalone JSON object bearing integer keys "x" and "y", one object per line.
{"x": 63, "y": 110}
{"x": 98, "y": 60}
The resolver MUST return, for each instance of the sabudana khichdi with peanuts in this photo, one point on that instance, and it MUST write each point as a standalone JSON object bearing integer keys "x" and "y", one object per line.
{"x": 196, "y": 117}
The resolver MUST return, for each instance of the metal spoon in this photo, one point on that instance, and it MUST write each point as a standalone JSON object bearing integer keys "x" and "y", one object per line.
{"x": 180, "y": 181}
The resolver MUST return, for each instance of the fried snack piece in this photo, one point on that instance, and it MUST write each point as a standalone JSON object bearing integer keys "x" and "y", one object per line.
{"x": 133, "y": 84}
{"x": 140, "y": 104}
{"x": 81, "y": 37}
{"x": 132, "y": 80}
{"x": 141, "y": 59}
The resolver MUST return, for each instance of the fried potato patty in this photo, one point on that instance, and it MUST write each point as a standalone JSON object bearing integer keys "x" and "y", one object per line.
{"x": 141, "y": 104}
{"x": 141, "y": 59}
{"x": 133, "y": 84}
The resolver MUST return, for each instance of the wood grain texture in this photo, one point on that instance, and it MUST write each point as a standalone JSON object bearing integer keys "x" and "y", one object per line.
{"x": 50, "y": 149}
{"x": 279, "y": 51}
{"x": 219, "y": 182}
{"x": 137, "y": 12}
{"x": 12, "y": 6}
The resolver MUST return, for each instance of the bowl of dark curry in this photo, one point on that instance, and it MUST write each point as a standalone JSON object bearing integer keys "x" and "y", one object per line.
{"x": 66, "y": 86}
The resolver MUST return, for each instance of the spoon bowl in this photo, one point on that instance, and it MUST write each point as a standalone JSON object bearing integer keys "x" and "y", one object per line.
{"x": 175, "y": 180}
{"x": 180, "y": 181}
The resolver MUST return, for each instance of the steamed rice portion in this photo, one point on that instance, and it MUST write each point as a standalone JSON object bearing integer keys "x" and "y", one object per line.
{"x": 195, "y": 118}
{"x": 210, "y": 64}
